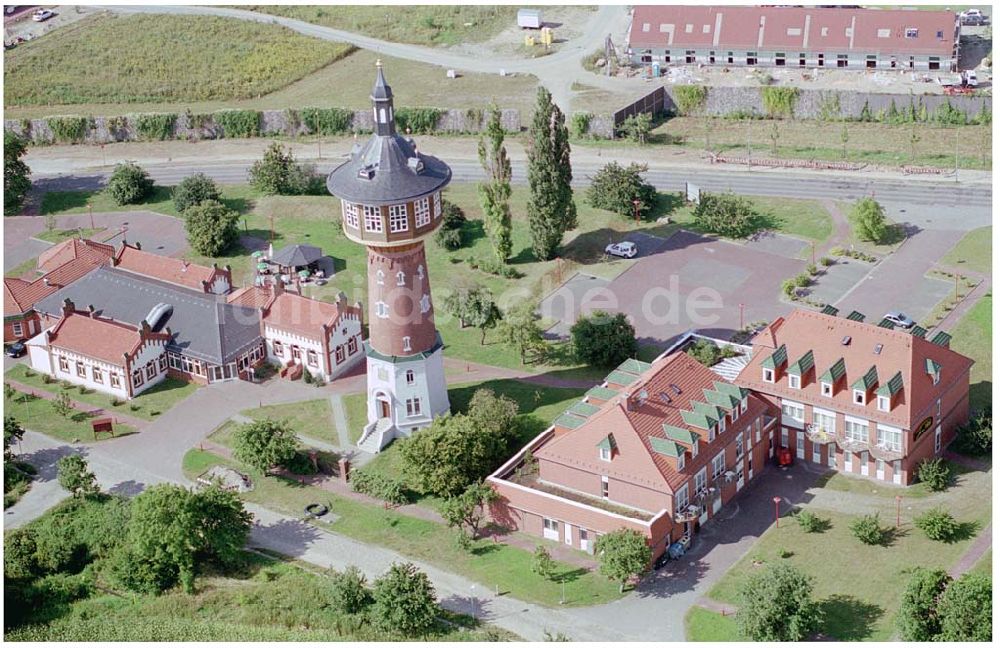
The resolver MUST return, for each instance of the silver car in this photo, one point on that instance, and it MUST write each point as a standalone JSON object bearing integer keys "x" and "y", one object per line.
{"x": 899, "y": 318}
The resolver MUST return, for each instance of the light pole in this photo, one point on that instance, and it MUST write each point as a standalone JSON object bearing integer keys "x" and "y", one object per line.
{"x": 814, "y": 252}
{"x": 777, "y": 502}
{"x": 899, "y": 500}
{"x": 635, "y": 209}
{"x": 742, "y": 306}
{"x": 90, "y": 208}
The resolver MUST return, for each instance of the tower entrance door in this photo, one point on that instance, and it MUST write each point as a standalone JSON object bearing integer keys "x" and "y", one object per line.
{"x": 383, "y": 408}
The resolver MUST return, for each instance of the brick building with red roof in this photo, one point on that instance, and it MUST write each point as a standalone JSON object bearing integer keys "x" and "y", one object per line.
{"x": 803, "y": 37}
{"x": 658, "y": 448}
{"x": 208, "y": 279}
{"x": 862, "y": 398}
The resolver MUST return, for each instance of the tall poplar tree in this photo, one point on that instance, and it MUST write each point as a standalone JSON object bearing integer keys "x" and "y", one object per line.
{"x": 494, "y": 194}
{"x": 551, "y": 210}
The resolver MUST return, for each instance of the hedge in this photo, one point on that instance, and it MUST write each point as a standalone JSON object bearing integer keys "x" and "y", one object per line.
{"x": 327, "y": 121}
{"x": 418, "y": 121}
{"x": 70, "y": 129}
{"x": 239, "y": 123}
{"x": 155, "y": 126}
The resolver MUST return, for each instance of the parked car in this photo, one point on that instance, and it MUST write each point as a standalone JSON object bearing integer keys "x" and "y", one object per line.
{"x": 899, "y": 318}
{"x": 625, "y": 249}
{"x": 15, "y": 350}
{"x": 971, "y": 79}
{"x": 42, "y": 15}
{"x": 973, "y": 17}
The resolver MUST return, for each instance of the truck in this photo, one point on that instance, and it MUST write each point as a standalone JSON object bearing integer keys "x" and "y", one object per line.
{"x": 529, "y": 18}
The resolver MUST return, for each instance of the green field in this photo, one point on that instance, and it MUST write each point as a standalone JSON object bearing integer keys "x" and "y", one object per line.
{"x": 160, "y": 59}
{"x": 147, "y": 405}
{"x": 704, "y": 625}
{"x": 60, "y": 235}
{"x": 494, "y": 565}
{"x": 974, "y": 252}
{"x": 973, "y": 337}
{"x": 356, "y": 413}
{"x": 312, "y": 418}
{"x": 419, "y": 25}
{"x": 38, "y": 415}
{"x": 859, "y": 586}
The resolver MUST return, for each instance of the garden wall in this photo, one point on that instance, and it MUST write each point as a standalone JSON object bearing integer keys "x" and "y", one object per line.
{"x": 75, "y": 129}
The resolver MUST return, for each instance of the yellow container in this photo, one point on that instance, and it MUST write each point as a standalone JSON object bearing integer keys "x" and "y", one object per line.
{"x": 529, "y": 40}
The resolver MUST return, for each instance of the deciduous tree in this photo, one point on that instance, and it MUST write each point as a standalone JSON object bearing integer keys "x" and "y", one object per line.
{"x": 350, "y": 590}
{"x": 16, "y": 174}
{"x": 623, "y": 554}
{"x": 468, "y": 511}
{"x": 726, "y": 214}
{"x": 551, "y": 210}
{"x": 129, "y": 184}
{"x": 405, "y": 601}
{"x": 13, "y": 432}
{"x": 868, "y": 220}
{"x": 212, "y": 228}
{"x": 966, "y": 609}
{"x": 74, "y": 475}
{"x": 494, "y": 193}
{"x": 918, "y": 618}
{"x": 615, "y": 187}
{"x": 603, "y": 340}
{"x": 776, "y": 604}
{"x": 264, "y": 444}
{"x": 519, "y": 328}
{"x": 194, "y": 190}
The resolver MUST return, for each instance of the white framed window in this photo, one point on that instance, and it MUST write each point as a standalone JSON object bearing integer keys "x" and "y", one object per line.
{"x": 18, "y": 329}
{"x": 406, "y": 343}
{"x": 680, "y": 461}
{"x": 937, "y": 439}
{"x": 413, "y": 407}
{"x": 115, "y": 380}
{"x": 718, "y": 465}
{"x": 604, "y": 454}
{"x": 63, "y": 364}
{"x": 422, "y": 212}
{"x": 175, "y": 361}
{"x": 604, "y": 486}
{"x": 380, "y": 277}
{"x": 681, "y": 499}
{"x": 137, "y": 378}
{"x": 795, "y": 382}
{"x": 150, "y": 371}
{"x": 350, "y": 211}
{"x": 711, "y": 433}
{"x": 860, "y": 397}
{"x": 784, "y": 437}
{"x": 312, "y": 358}
{"x": 890, "y": 438}
{"x": 794, "y": 411}
{"x": 373, "y": 219}
{"x": 824, "y": 420}
{"x": 550, "y": 529}
{"x": 420, "y": 271}
{"x": 694, "y": 449}
{"x": 382, "y": 309}
{"x": 81, "y": 369}
{"x": 437, "y": 205}
{"x": 856, "y": 430}
{"x": 831, "y": 455}
{"x": 739, "y": 446}
{"x": 912, "y": 32}
{"x": 162, "y": 362}
{"x": 397, "y": 218}
{"x": 425, "y": 304}
{"x": 400, "y": 278}
{"x": 883, "y": 403}
{"x": 768, "y": 375}
{"x": 701, "y": 481}
{"x": 98, "y": 375}
{"x": 339, "y": 355}
{"x": 936, "y": 377}
{"x": 826, "y": 389}
{"x": 410, "y": 377}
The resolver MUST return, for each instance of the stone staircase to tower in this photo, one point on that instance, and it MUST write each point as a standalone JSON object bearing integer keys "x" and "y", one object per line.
{"x": 377, "y": 435}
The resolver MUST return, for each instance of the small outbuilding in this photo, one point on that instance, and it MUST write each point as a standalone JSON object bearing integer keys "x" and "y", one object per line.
{"x": 529, "y": 18}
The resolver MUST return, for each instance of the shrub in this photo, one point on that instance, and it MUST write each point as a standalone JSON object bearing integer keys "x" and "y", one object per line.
{"x": 129, "y": 184}
{"x": 579, "y": 124}
{"x": 264, "y": 444}
{"x": 935, "y": 473}
{"x": 70, "y": 129}
{"x": 811, "y": 269}
{"x": 418, "y": 121}
{"x": 379, "y": 486}
{"x": 404, "y": 601}
{"x": 278, "y": 173}
{"x": 614, "y": 187}
{"x": 449, "y": 235}
{"x": 826, "y": 262}
{"x": 327, "y": 121}
{"x": 802, "y": 280}
{"x": 966, "y": 609}
{"x": 976, "y": 437}
{"x": 300, "y": 464}
{"x": 492, "y": 265}
{"x": 689, "y": 98}
{"x": 636, "y": 128}
{"x": 74, "y": 475}
{"x": 542, "y": 563}
{"x": 776, "y": 604}
{"x": 938, "y": 524}
{"x": 726, "y": 214}
{"x": 155, "y": 126}
{"x": 809, "y": 522}
{"x": 349, "y": 589}
{"x": 868, "y": 529}
{"x": 918, "y": 619}
{"x": 868, "y": 220}
{"x": 449, "y": 239}
{"x": 779, "y": 101}
{"x": 194, "y": 190}
{"x": 238, "y": 123}
{"x": 19, "y": 554}
{"x": 16, "y": 174}
{"x": 212, "y": 228}
{"x": 603, "y": 340}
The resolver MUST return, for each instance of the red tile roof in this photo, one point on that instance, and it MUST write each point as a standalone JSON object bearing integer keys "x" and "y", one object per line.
{"x": 96, "y": 337}
{"x": 793, "y": 28}
{"x": 291, "y": 312}
{"x": 73, "y": 249}
{"x": 898, "y": 351}
{"x": 253, "y": 297}
{"x": 169, "y": 269}
{"x": 19, "y": 296}
{"x": 636, "y": 460}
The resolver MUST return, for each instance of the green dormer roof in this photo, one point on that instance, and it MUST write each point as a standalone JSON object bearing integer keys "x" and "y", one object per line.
{"x": 855, "y": 316}
{"x": 703, "y": 417}
{"x": 886, "y": 324}
{"x": 892, "y": 387}
{"x": 602, "y": 393}
{"x": 682, "y": 435}
{"x": 731, "y": 389}
{"x": 803, "y": 365}
{"x": 867, "y": 381}
{"x": 714, "y": 411}
{"x": 776, "y": 359}
{"x": 583, "y": 409}
{"x": 608, "y": 443}
{"x": 941, "y": 339}
{"x": 834, "y": 373}
{"x": 727, "y": 401}
{"x": 666, "y": 447}
{"x": 569, "y": 421}
{"x": 932, "y": 367}
{"x": 621, "y": 378}
{"x": 918, "y": 331}
{"x": 633, "y": 366}
{"x": 830, "y": 310}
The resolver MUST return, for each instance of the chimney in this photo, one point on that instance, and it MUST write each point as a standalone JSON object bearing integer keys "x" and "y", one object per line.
{"x": 215, "y": 266}
{"x": 68, "y": 307}
{"x": 279, "y": 286}
{"x": 138, "y": 245}
{"x": 45, "y": 280}
{"x": 144, "y": 326}
{"x": 341, "y": 299}
{"x": 92, "y": 311}
{"x": 344, "y": 468}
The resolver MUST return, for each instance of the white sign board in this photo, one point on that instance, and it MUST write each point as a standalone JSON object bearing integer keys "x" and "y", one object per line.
{"x": 692, "y": 192}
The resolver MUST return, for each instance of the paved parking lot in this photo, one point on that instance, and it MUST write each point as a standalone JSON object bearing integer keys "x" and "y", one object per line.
{"x": 838, "y": 279}
{"x": 780, "y": 244}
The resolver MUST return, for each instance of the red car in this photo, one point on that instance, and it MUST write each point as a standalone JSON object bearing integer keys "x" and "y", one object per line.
{"x": 784, "y": 456}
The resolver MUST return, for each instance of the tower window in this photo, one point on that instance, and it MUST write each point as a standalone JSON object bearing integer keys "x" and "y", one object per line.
{"x": 422, "y": 212}
{"x": 406, "y": 343}
{"x": 373, "y": 219}
{"x": 413, "y": 407}
{"x": 380, "y": 277}
{"x": 397, "y": 218}
{"x": 425, "y": 303}
{"x": 410, "y": 377}
{"x": 400, "y": 278}
{"x": 350, "y": 211}
{"x": 420, "y": 271}
{"x": 382, "y": 309}
{"x": 437, "y": 205}
{"x": 381, "y": 115}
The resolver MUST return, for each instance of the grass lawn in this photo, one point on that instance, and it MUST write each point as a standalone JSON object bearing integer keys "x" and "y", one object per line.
{"x": 973, "y": 337}
{"x": 420, "y": 25}
{"x": 985, "y": 564}
{"x": 705, "y": 625}
{"x": 160, "y": 58}
{"x": 27, "y": 270}
{"x": 60, "y": 235}
{"x": 356, "y": 413}
{"x": 311, "y": 418}
{"x": 860, "y": 486}
{"x": 872, "y": 143}
{"x": 492, "y": 565}
{"x": 859, "y": 586}
{"x": 58, "y": 203}
{"x": 37, "y": 414}
{"x": 147, "y": 405}
{"x": 974, "y": 251}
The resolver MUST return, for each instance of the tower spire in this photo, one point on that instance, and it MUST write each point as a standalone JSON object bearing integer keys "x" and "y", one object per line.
{"x": 385, "y": 120}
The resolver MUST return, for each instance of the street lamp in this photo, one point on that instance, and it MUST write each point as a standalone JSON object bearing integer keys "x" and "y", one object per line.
{"x": 777, "y": 502}
{"x": 90, "y": 208}
{"x": 742, "y": 306}
{"x": 899, "y": 499}
{"x": 635, "y": 209}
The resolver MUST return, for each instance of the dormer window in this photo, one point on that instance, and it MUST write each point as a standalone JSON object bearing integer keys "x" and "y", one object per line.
{"x": 860, "y": 397}
{"x": 722, "y": 424}
{"x": 680, "y": 461}
{"x": 936, "y": 376}
{"x": 768, "y": 375}
{"x": 711, "y": 434}
{"x": 605, "y": 454}
{"x": 795, "y": 382}
{"x": 883, "y": 403}
{"x": 826, "y": 389}
{"x": 694, "y": 449}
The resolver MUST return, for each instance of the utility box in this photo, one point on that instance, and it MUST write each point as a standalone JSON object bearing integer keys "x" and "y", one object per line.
{"x": 529, "y": 18}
